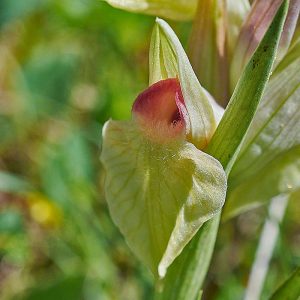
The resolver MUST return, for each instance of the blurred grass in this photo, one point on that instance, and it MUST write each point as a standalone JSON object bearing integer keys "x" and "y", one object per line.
{"x": 65, "y": 68}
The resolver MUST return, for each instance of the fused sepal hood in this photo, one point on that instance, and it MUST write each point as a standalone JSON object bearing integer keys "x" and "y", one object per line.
{"x": 159, "y": 187}
{"x": 167, "y": 58}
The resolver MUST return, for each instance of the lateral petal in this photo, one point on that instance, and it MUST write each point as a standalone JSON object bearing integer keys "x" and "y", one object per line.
{"x": 159, "y": 194}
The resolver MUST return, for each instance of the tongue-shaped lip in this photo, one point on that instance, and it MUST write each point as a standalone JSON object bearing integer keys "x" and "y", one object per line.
{"x": 161, "y": 108}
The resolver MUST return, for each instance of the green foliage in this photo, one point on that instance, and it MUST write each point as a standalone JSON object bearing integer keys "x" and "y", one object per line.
{"x": 12, "y": 183}
{"x": 62, "y": 288}
{"x": 10, "y": 222}
{"x": 290, "y": 289}
{"x": 225, "y": 144}
{"x": 268, "y": 163}
{"x": 66, "y": 66}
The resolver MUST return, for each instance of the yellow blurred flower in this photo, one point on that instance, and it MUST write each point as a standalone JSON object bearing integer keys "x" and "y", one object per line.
{"x": 43, "y": 211}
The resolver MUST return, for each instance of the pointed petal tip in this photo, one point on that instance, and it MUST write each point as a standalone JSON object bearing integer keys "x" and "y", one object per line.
{"x": 161, "y": 22}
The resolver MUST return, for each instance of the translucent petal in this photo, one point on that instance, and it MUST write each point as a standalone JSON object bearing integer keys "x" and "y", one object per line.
{"x": 159, "y": 194}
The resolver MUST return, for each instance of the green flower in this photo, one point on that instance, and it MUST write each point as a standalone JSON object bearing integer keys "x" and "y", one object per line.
{"x": 224, "y": 37}
{"x": 160, "y": 186}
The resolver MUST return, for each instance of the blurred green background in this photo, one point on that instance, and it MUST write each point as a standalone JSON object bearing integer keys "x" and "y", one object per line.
{"x": 66, "y": 66}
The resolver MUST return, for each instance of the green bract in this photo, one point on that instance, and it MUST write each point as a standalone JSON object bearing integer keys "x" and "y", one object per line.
{"x": 158, "y": 194}
{"x": 269, "y": 161}
{"x": 160, "y": 187}
{"x": 290, "y": 289}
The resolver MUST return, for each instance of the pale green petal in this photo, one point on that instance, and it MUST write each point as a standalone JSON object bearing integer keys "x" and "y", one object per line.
{"x": 158, "y": 194}
{"x": 274, "y": 131}
{"x": 168, "y": 59}
{"x": 170, "y": 9}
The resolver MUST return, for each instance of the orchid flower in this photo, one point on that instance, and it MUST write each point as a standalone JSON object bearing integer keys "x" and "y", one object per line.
{"x": 232, "y": 50}
{"x": 224, "y": 36}
{"x": 160, "y": 186}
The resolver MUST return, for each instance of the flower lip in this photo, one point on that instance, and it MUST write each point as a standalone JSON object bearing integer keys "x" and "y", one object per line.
{"x": 161, "y": 108}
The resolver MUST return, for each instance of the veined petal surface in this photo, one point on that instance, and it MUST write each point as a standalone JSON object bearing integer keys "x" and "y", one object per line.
{"x": 159, "y": 194}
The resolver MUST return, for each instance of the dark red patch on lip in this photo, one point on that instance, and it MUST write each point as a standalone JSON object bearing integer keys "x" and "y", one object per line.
{"x": 162, "y": 103}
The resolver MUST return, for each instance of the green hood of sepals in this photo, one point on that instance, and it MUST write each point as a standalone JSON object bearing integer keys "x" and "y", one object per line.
{"x": 167, "y": 59}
